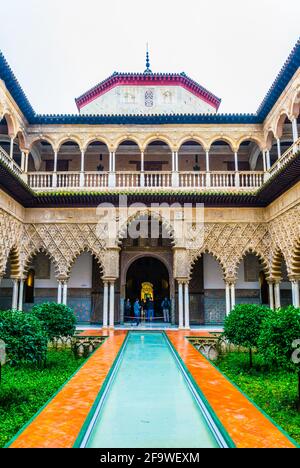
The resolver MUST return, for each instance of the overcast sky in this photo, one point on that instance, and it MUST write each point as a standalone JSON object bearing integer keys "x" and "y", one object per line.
{"x": 58, "y": 49}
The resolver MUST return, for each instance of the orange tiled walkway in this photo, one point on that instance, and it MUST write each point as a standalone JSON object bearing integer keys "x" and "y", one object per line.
{"x": 245, "y": 424}
{"x": 59, "y": 424}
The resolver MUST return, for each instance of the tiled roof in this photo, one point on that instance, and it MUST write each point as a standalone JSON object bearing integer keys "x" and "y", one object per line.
{"x": 283, "y": 78}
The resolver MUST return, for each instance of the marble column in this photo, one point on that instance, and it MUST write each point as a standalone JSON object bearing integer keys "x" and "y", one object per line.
{"x": 277, "y": 295}
{"x": 81, "y": 182}
{"x": 295, "y": 129}
{"x": 59, "y": 292}
{"x": 21, "y": 295}
{"x": 232, "y": 296}
{"x": 65, "y": 293}
{"x": 295, "y": 292}
{"x": 278, "y": 148}
{"x": 227, "y": 297}
{"x": 180, "y": 304}
{"x": 105, "y": 305}
{"x": 186, "y": 305}
{"x": 54, "y": 178}
{"x": 271, "y": 295}
{"x": 112, "y": 304}
{"x": 15, "y": 294}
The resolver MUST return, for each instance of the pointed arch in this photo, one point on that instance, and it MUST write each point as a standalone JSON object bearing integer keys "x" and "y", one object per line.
{"x": 15, "y": 264}
{"x": 253, "y": 251}
{"x": 208, "y": 251}
{"x": 295, "y": 260}
{"x": 76, "y": 255}
{"x": 41, "y": 249}
{"x": 151, "y": 214}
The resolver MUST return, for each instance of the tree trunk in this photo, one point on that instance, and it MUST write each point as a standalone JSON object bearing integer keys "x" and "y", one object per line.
{"x": 250, "y": 357}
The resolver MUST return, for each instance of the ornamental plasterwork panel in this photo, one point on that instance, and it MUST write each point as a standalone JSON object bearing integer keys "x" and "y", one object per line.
{"x": 10, "y": 237}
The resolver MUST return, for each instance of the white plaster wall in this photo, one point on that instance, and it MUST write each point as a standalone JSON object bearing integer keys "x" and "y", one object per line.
{"x": 213, "y": 278}
{"x": 81, "y": 275}
{"x": 131, "y": 100}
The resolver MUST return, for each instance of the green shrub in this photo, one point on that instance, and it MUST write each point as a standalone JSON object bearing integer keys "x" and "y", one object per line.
{"x": 58, "y": 319}
{"x": 278, "y": 340}
{"x": 24, "y": 337}
{"x": 243, "y": 325}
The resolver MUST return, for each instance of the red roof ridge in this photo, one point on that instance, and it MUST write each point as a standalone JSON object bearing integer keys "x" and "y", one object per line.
{"x": 139, "y": 79}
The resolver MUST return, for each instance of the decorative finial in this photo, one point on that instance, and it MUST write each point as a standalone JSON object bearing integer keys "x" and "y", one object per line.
{"x": 148, "y": 70}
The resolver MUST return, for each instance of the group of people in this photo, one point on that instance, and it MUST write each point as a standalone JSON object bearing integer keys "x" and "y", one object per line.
{"x": 146, "y": 309}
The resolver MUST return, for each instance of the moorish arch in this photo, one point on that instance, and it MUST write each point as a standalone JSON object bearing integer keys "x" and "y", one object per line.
{"x": 295, "y": 261}
{"x": 142, "y": 214}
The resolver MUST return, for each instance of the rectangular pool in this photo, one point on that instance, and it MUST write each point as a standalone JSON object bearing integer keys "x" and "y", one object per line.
{"x": 149, "y": 401}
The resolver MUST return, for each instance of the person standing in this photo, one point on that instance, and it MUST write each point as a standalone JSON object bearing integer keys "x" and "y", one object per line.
{"x": 165, "y": 305}
{"x": 128, "y": 310}
{"x": 137, "y": 311}
{"x": 150, "y": 310}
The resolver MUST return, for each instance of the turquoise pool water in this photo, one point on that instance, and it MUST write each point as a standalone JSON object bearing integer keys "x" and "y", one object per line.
{"x": 149, "y": 402}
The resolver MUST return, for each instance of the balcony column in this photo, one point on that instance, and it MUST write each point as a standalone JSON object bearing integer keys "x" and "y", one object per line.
{"x": 278, "y": 148}
{"x": 271, "y": 295}
{"x": 22, "y": 161}
{"x": 11, "y": 148}
{"x": 277, "y": 295}
{"x": 208, "y": 182}
{"x": 26, "y": 161}
{"x": 112, "y": 304}
{"x": 227, "y": 297}
{"x": 268, "y": 159}
{"x": 59, "y": 292}
{"x": 180, "y": 304}
{"x": 295, "y": 129}
{"x": 264, "y": 161}
{"x": 295, "y": 293}
{"x": 186, "y": 305}
{"x": 105, "y": 305}
{"x": 81, "y": 180}
{"x": 65, "y": 292}
{"x": 14, "y": 305}
{"x": 112, "y": 170}
{"x": 54, "y": 178}
{"x": 175, "y": 174}
{"x": 21, "y": 294}
{"x": 236, "y": 168}
{"x": 142, "y": 169}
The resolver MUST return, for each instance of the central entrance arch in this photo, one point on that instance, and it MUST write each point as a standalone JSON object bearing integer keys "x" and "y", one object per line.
{"x": 148, "y": 277}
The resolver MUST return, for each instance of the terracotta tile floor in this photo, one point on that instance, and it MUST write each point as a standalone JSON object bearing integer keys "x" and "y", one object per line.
{"x": 245, "y": 424}
{"x": 59, "y": 424}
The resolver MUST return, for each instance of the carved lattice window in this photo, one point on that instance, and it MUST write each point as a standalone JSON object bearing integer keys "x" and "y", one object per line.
{"x": 149, "y": 98}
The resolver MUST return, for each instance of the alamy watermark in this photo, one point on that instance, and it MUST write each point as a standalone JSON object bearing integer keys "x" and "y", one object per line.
{"x": 180, "y": 222}
{"x": 296, "y": 353}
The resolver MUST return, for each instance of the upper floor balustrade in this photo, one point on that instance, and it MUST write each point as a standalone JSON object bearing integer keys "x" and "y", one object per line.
{"x": 216, "y": 180}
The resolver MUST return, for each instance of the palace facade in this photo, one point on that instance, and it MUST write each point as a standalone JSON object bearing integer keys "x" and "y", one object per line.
{"x": 150, "y": 139}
